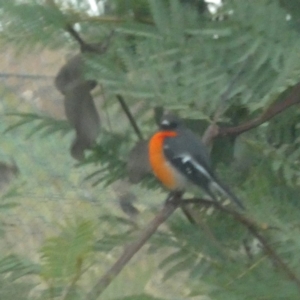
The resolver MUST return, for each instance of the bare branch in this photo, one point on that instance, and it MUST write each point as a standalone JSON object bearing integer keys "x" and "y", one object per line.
{"x": 170, "y": 206}
{"x": 210, "y": 133}
{"x": 276, "y": 108}
{"x": 254, "y": 228}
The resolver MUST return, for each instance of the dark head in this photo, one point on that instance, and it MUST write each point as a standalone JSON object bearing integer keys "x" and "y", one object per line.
{"x": 170, "y": 121}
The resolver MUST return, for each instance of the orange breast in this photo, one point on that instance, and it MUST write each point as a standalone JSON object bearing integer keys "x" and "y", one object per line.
{"x": 161, "y": 168}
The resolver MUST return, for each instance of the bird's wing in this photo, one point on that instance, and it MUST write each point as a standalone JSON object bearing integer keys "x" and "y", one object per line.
{"x": 189, "y": 156}
{"x": 179, "y": 152}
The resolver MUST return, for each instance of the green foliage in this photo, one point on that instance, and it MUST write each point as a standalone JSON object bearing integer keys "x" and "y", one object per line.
{"x": 67, "y": 254}
{"x": 17, "y": 266}
{"x": 168, "y": 54}
{"x": 112, "y": 156}
{"x": 26, "y": 31}
{"x": 65, "y": 258}
{"x": 119, "y": 231}
{"x": 14, "y": 290}
{"x": 139, "y": 8}
{"x": 182, "y": 66}
{"x": 139, "y": 297}
{"x": 45, "y": 125}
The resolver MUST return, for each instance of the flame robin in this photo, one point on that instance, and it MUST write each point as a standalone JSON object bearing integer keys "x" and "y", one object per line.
{"x": 179, "y": 158}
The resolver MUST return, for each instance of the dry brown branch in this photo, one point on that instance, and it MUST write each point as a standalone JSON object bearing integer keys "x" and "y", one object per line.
{"x": 276, "y": 108}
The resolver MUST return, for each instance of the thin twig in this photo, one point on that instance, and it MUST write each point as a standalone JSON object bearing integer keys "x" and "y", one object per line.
{"x": 170, "y": 206}
{"x": 253, "y": 227}
{"x": 84, "y": 47}
{"x": 188, "y": 212}
{"x": 225, "y": 95}
{"x": 98, "y": 48}
{"x": 213, "y": 129}
{"x": 130, "y": 117}
{"x": 249, "y": 269}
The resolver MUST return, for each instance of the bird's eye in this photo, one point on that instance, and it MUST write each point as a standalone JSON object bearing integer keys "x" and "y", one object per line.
{"x": 170, "y": 122}
{"x": 166, "y": 124}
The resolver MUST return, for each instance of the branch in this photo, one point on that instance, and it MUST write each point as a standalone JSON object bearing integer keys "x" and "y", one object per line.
{"x": 172, "y": 202}
{"x": 98, "y": 48}
{"x": 130, "y": 117}
{"x": 276, "y": 108}
{"x": 84, "y": 46}
{"x": 253, "y": 227}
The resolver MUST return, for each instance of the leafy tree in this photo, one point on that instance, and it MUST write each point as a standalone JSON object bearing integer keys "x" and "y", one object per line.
{"x": 234, "y": 77}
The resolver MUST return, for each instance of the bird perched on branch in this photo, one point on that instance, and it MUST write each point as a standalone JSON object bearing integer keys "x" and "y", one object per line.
{"x": 178, "y": 158}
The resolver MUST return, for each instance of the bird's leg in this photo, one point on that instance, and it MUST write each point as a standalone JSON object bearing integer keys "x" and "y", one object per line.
{"x": 175, "y": 198}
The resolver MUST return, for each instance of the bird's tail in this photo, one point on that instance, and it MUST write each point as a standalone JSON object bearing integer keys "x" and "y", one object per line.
{"x": 227, "y": 192}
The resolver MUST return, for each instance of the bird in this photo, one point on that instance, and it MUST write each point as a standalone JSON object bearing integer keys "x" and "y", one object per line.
{"x": 179, "y": 159}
